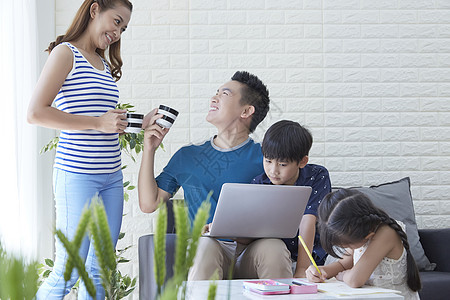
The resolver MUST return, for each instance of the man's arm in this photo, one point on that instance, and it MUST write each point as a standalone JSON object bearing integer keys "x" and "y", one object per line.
{"x": 148, "y": 192}
{"x": 150, "y": 196}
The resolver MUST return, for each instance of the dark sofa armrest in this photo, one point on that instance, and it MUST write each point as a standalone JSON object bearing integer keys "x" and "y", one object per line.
{"x": 436, "y": 244}
{"x": 147, "y": 282}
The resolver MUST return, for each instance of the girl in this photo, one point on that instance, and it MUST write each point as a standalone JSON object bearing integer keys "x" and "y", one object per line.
{"x": 80, "y": 82}
{"x": 377, "y": 249}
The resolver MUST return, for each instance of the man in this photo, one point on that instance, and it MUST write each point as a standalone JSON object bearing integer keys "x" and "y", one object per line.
{"x": 230, "y": 156}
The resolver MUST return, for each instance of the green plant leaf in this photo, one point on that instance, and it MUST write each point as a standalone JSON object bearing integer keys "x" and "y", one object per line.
{"x": 46, "y": 273}
{"x": 181, "y": 244}
{"x": 212, "y": 290}
{"x": 52, "y": 144}
{"x": 201, "y": 217}
{"x": 132, "y": 144}
{"x": 78, "y": 262}
{"x": 49, "y": 262}
{"x": 160, "y": 247}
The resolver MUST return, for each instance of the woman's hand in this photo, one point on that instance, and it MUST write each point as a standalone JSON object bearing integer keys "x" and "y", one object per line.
{"x": 314, "y": 276}
{"x": 154, "y": 134}
{"x": 113, "y": 121}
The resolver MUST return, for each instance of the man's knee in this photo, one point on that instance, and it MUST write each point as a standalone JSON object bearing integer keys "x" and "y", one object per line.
{"x": 269, "y": 258}
{"x": 272, "y": 253}
{"x": 208, "y": 259}
{"x": 270, "y": 247}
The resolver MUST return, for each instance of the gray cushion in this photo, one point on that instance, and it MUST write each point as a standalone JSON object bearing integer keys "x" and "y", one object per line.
{"x": 395, "y": 199}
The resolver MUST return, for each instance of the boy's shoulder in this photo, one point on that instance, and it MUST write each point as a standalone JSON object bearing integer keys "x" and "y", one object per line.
{"x": 311, "y": 173}
{"x": 261, "y": 179}
{"x": 314, "y": 169}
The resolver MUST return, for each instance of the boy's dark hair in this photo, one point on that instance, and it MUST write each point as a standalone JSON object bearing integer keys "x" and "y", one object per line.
{"x": 347, "y": 216}
{"x": 287, "y": 140}
{"x": 254, "y": 93}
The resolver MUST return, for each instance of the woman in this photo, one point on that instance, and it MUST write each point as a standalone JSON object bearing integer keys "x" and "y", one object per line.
{"x": 80, "y": 82}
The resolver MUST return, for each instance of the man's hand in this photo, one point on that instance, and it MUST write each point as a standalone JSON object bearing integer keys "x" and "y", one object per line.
{"x": 154, "y": 134}
{"x": 206, "y": 228}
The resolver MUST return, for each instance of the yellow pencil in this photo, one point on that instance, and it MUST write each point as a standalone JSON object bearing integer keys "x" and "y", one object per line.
{"x": 309, "y": 254}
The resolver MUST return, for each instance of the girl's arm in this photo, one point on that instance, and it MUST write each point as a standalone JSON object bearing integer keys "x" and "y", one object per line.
{"x": 307, "y": 231}
{"x": 331, "y": 270}
{"x": 384, "y": 242}
{"x": 41, "y": 112}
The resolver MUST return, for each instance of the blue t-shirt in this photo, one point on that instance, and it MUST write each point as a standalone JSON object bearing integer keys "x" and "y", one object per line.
{"x": 202, "y": 168}
{"x": 318, "y": 179}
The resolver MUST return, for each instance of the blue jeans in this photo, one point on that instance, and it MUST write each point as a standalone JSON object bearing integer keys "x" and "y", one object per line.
{"x": 72, "y": 193}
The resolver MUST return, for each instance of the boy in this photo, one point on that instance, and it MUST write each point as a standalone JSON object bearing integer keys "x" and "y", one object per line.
{"x": 231, "y": 156}
{"x": 285, "y": 148}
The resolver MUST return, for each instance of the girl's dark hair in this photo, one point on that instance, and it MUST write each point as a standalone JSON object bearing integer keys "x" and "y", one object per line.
{"x": 254, "y": 93}
{"x": 347, "y": 216}
{"x": 81, "y": 22}
{"x": 287, "y": 140}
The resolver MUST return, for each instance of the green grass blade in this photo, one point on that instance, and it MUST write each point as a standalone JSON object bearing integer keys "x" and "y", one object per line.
{"x": 160, "y": 246}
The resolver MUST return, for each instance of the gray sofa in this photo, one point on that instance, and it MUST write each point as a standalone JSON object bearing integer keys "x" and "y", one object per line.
{"x": 436, "y": 284}
{"x": 147, "y": 283}
{"x": 430, "y": 247}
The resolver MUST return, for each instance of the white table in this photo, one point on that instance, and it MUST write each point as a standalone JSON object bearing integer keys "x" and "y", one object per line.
{"x": 198, "y": 290}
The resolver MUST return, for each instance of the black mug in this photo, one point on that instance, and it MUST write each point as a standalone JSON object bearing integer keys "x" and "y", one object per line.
{"x": 134, "y": 123}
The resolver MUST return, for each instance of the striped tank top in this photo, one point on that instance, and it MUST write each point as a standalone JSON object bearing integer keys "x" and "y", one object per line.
{"x": 87, "y": 91}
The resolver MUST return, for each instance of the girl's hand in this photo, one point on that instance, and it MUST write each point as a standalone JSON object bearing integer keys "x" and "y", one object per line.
{"x": 314, "y": 276}
{"x": 153, "y": 134}
{"x": 113, "y": 121}
{"x": 340, "y": 275}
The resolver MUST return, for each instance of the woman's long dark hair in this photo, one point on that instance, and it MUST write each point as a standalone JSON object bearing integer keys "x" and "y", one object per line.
{"x": 347, "y": 216}
{"x": 81, "y": 22}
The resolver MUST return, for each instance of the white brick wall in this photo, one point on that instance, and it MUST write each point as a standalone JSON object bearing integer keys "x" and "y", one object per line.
{"x": 369, "y": 78}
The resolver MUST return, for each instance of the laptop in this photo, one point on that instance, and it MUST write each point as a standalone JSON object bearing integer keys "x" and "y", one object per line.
{"x": 259, "y": 211}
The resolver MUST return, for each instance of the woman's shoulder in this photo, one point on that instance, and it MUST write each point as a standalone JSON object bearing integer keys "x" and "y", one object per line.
{"x": 62, "y": 50}
{"x": 63, "y": 56}
{"x": 58, "y": 65}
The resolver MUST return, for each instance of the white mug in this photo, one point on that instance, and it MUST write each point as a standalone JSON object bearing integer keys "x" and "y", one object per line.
{"x": 169, "y": 116}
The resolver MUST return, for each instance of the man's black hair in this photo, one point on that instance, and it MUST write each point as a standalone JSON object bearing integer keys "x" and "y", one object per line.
{"x": 287, "y": 141}
{"x": 254, "y": 93}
